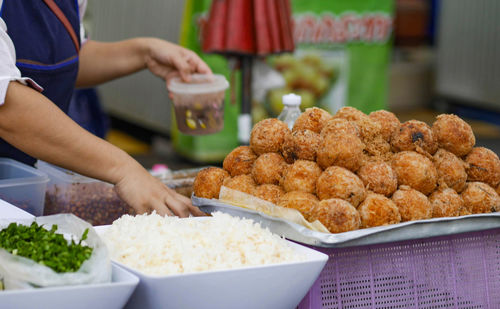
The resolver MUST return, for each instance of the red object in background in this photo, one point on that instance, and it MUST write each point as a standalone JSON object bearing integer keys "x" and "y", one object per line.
{"x": 248, "y": 27}
{"x": 411, "y": 22}
{"x": 245, "y": 29}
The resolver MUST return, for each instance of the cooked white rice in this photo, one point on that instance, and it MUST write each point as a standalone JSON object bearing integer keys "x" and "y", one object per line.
{"x": 159, "y": 245}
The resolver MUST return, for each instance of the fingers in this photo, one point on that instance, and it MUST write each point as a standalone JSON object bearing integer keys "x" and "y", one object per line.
{"x": 183, "y": 198}
{"x": 188, "y": 63}
{"x": 168, "y": 78}
{"x": 161, "y": 208}
{"x": 182, "y": 66}
{"x": 185, "y": 203}
{"x": 201, "y": 66}
{"x": 198, "y": 65}
{"x": 173, "y": 204}
{"x": 179, "y": 207}
{"x": 195, "y": 211}
{"x": 171, "y": 75}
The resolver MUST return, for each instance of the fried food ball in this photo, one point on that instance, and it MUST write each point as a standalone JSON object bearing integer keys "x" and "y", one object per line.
{"x": 385, "y": 157}
{"x": 484, "y": 166}
{"x": 464, "y": 211}
{"x": 453, "y": 134}
{"x": 412, "y": 204}
{"x": 239, "y": 161}
{"x": 389, "y": 123}
{"x": 378, "y": 210}
{"x": 340, "y": 126}
{"x": 338, "y": 182}
{"x": 301, "y": 201}
{"x": 450, "y": 169}
{"x": 301, "y": 144}
{"x": 498, "y": 189}
{"x": 268, "y": 192}
{"x": 313, "y": 119}
{"x": 268, "y": 135}
{"x": 379, "y": 177}
{"x": 243, "y": 183}
{"x": 413, "y": 134}
{"x": 337, "y": 215}
{"x": 301, "y": 176}
{"x": 445, "y": 203}
{"x": 268, "y": 168}
{"x": 377, "y": 147}
{"x": 344, "y": 150}
{"x": 208, "y": 182}
{"x": 479, "y": 197}
{"x": 415, "y": 170}
{"x": 368, "y": 128}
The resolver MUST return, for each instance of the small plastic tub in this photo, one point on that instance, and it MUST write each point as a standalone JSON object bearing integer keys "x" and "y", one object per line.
{"x": 199, "y": 104}
{"x": 23, "y": 186}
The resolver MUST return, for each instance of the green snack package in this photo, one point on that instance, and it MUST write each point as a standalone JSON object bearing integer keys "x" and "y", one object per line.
{"x": 341, "y": 58}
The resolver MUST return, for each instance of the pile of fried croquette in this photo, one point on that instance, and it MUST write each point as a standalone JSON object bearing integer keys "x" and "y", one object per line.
{"x": 352, "y": 170}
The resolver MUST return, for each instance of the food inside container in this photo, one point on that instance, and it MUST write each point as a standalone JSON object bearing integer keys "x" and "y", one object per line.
{"x": 169, "y": 245}
{"x": 363, "y": 171}
{"x": 90, "y": 199}
{"x": 199, "y": 104}
{"x": 59, "y": 254}
{"x": 223, "y": 259}
{"x": 49, "y": 251}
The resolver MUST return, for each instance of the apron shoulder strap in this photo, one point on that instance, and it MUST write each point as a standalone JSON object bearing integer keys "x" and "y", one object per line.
{"x": 60, "y": 15}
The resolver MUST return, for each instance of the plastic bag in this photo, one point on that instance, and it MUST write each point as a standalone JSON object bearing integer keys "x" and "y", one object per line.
{"x": 241, "y": 199}
{"x": 18, "y": 272}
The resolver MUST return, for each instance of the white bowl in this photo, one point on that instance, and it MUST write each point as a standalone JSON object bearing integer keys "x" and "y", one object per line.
{"x": 95, "y": 296}
{"x": 269, "y": 286}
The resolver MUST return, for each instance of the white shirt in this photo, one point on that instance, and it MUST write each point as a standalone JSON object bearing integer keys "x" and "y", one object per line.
{"x": 8, "y": 69}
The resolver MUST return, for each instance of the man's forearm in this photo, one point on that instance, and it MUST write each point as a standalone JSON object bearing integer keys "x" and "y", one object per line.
{"x": 32, "y": 123}
{"x": 101, "y": 61}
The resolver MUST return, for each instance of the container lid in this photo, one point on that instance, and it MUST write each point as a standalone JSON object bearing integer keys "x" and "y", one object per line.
{"x": 291, "y": 99}
{"x": 21, "y": 174}
{"x": 200, "y": 83}
{"x": 58, "y": 174}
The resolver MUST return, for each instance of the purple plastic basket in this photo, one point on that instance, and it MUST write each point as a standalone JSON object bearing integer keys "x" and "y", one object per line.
{"x": 457, "y": 271}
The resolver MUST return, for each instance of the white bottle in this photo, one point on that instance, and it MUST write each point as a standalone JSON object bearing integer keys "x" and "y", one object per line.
{"x": 291, "y": 109}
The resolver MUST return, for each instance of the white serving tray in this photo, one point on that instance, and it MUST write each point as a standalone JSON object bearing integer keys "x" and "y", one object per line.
{"x": 368, "y": 236}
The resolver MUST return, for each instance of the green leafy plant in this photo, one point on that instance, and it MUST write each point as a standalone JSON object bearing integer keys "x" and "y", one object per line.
{"x": 45, "y": 247}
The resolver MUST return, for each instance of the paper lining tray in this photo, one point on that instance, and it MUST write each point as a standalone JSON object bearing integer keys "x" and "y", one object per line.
{"x": 375, "y": 235}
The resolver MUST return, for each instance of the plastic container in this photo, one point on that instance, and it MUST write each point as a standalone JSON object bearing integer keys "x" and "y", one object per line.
{"x": 291, "y": 109}
{"x": 23, "y": 186}
{"x": 96, "y": 296}
{"x": 199, "y": 104}
{"x": 90, "y": 199}
{"x": 457, "y": 271}
{"x": 276, "y": 286}
{"x": 9, "y": 211}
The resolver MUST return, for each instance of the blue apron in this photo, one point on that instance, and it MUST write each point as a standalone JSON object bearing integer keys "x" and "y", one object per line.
{"x": 45, "y": 52}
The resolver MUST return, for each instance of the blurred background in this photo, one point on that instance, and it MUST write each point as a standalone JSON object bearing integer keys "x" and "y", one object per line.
{"x": 416, "y": 58}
